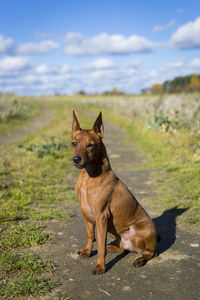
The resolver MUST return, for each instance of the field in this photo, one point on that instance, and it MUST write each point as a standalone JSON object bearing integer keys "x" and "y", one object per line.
{"x": 37, "y": 177}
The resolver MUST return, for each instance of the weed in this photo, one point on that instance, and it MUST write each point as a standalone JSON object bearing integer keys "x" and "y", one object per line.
{"x": 160, "y": 120}
{"x": 51, "y": 147}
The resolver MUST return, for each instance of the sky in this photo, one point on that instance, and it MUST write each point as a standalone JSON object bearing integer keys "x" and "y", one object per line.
{"x": 63, "y": 46}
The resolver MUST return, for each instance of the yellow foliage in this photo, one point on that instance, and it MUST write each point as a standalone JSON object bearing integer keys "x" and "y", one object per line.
{"x": 194, "y": 84}
{"x": 157, "y": 88}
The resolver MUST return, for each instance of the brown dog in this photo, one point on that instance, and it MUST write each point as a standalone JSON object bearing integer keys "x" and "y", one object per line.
{"x": 106, "y": 202}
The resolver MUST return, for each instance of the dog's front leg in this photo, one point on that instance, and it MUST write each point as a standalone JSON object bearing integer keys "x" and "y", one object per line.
{"x": 101, "y": 223}
{"x": 90, "y": 228}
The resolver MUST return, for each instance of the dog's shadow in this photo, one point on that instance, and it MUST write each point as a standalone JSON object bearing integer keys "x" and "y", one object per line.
{"x": 166, "y": 226}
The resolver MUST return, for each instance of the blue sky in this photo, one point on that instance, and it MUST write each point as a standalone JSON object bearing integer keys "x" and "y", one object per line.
{"x": 67, "y": 46}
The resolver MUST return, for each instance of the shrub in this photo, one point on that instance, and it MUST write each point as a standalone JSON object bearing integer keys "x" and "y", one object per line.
{"x": 11, "y": 108}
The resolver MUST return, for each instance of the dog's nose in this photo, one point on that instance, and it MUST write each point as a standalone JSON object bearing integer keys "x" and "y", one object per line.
{"x": 77, "y": 159}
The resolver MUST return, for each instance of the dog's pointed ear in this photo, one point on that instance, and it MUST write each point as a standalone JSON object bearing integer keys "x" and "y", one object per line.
{"x": 75, "y": 123}
{"x": 98, "y": 125}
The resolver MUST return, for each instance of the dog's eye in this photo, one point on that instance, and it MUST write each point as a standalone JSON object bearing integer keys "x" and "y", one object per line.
{"x": 90, "y": 145}
{"x": 74, "y": 144}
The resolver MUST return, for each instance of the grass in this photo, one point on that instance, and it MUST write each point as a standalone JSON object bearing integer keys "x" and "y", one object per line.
{"x": 26, "y": 286}
{"x": 27, "y": 264}
{"x": 24, "y": 274}
{"x": 17, "y": 236}
{"x": 29, "y": 177}
{"x": 36, "y": 183}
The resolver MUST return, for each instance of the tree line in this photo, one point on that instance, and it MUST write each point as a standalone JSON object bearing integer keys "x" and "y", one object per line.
{"x": 184, "y": 84}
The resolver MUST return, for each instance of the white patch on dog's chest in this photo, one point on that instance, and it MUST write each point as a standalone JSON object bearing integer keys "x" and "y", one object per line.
{"x": 127, "y": 242}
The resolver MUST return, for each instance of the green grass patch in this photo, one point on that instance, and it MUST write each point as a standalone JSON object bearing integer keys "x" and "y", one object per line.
{"x": 16, "y": 236}
{"x": 14, "y": 263}
{"x": 21, "y": 274}
{"x": 50, "y": 213}
{"x": 26, "y": 286}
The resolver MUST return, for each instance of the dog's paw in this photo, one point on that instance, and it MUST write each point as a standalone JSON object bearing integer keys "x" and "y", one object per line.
{"x": 85, "y": 253}
{"x": 99, "y": 269}
{"x": 139, "y": 262}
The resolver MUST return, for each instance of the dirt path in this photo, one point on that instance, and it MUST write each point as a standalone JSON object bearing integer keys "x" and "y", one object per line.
{"x": 44, "y": 119}
{"x": 174, "y": 274}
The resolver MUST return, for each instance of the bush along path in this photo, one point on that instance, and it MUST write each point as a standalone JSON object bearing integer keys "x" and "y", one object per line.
{"x": 173, "y": 274}
{"x": 41, "y": 227}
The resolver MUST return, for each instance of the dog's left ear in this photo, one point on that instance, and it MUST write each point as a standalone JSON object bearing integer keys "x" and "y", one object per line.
{"x": 98, "y": 125}
{"x": 75, "y": 123}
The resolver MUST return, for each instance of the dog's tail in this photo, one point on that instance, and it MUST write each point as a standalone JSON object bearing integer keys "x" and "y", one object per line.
{"x": 158, "y": 238}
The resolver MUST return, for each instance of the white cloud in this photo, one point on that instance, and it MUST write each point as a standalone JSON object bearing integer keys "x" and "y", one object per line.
{"x": 134, "y": 64}
{"x": 49, "y": 69}
{"x": 177, "y": 64}
{"x": 195, "y": 63}
{"x": 18, "y": 74}
{"x": 73, "y": 37}
{"x": 102, "y": 75}
{"x": 76, "y": 44}
{"x": 187, "y": 36}
{"x": 159, "y": 28}
{"x": 101, "y": 63}
{"x": 5, "y": 44}
{"x": 43, "y": 47}
{"x": 43, "y": 69}
{"x": 12, "y": 65}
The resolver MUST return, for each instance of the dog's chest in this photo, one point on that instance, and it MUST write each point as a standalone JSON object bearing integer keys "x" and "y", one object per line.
{"x": 85, "y": 192}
